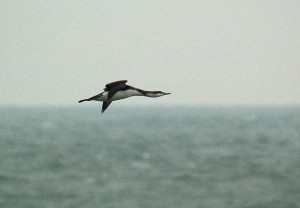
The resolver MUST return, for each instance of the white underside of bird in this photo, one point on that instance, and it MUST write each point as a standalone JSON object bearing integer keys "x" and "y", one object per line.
{"x": 119, "y": 90}
{"x": 119, "y": 95}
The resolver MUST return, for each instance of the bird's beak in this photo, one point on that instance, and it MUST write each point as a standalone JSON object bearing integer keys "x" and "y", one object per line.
{"x": 167, "y": 93}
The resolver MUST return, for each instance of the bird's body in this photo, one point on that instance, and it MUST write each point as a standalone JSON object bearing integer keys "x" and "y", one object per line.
{"x": 121, "y": 94}
{"x": 119, "y": 90}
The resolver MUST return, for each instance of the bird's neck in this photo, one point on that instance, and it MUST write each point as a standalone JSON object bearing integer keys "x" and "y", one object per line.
{"x": 149, "y": 93}
{"x": 146, "y": 93}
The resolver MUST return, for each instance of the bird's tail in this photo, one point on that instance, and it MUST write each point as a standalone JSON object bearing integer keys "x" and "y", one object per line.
{"x": 80, "y": 101}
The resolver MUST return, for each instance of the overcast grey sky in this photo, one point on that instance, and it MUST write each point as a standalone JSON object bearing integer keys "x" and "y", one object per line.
{"x": 204, "y": 52}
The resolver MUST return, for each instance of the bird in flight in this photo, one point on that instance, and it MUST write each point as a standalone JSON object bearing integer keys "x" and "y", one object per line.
{"x": 119, "y": 90}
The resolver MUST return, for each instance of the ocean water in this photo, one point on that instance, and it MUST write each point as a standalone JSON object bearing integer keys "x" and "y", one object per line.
{"x": 150, "y": 157}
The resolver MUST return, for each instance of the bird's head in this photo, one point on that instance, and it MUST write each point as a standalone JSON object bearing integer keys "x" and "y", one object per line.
{"x": 157, "y": 94}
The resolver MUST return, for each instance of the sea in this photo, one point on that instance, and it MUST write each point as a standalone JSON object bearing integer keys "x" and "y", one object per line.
{"x": 150, "y": 157}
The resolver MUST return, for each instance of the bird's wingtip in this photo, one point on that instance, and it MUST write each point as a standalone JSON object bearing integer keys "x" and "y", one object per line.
{"x": 80, "y": 101}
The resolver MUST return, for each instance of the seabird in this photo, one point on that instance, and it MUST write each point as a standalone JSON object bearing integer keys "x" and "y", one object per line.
{"x": 119, "y": 90}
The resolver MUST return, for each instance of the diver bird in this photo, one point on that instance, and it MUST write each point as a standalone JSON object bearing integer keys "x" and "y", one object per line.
{"x": 119, "y": 90}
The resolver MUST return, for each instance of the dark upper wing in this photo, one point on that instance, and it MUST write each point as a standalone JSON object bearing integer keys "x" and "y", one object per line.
{"x": 112, "y": 88}
{"x": 105, "y": 105}
{"x": 111, "y": 85}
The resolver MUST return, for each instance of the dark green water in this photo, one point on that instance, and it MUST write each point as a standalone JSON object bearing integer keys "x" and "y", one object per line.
{"x": 150, "y": 157}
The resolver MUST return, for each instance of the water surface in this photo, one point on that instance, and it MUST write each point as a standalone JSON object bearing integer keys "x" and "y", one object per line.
{"x": 166, "y": 157}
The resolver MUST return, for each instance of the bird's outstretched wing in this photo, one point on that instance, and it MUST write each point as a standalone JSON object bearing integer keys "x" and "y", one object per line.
{"x": 113, "y": 87}
{"x": 105, "y": 105}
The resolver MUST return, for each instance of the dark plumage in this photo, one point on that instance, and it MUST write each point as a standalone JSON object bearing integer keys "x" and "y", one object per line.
{"x": 119, "y": 90}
